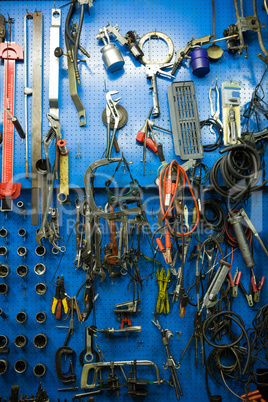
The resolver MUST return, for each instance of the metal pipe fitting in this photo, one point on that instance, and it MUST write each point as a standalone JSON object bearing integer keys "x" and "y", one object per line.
{"x": 3, "y": 342}
{"x": 3, "y": 232}
{"x": 22, "y": 251}
{"x": 4, "y": 270}
{"x": 62, "y": 147}
{"x": 40, "y": 269}
{"x": 20, "y": 366}
{"x": 22, "y": 270}
{"x": 40, "y": 251}
{"x": 39, "y": 370}
{"x": 22, "y": 232}
{"x": 20, "y": 206}
{"x": 40, "y": 341}
{"x": 41, "y": 288}
{"x": 3, "y": 251}
{"x": 2, "y": 314}
{"x": 21, "y": 317}
{"x": 20, "y": 341}
{"x": 4, "y": 363}
{"x": 41, "y": 317}
{"x": 4, "y": 288}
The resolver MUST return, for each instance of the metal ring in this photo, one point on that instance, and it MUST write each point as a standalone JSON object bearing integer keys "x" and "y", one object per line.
{"x": 166, "y": 39}
{"x": 55, "y": 251}
{"x": 20, "y": 366}
{"x": 62, "y": 197}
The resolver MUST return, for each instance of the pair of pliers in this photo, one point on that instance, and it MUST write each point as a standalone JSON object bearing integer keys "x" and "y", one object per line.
{"x": 163, "y": 278}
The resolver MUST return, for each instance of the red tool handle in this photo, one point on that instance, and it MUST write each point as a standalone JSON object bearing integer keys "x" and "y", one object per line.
{"x": 238, "y": 278}
{"x": 253, "y": 282}
{"x": 160, "y": 244}
{"x": 58, "y": 310}
{"x": 261, "y": 283}
{"x": 149, "y": 142}
{"x": 231, "y": 279}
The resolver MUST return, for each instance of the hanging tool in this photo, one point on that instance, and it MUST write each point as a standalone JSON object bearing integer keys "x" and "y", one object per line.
{"x": 27, "y": 91}
{"x": 198, "y": 334}
{"x": 60, "y": 299}
{"x": 10, "y": 52}
{"x": 87, "y": 355}
{"x": 155, "y": 68}
{"x": 249, "y": 296}
{"x": 54, "y": 38}
{"x": 215, "y": 285}
{"x": 63, "y": 195}
{"x": 215, "y": 112}
{"x": 2, "y": 28}
{"x": 111, "y": 55}
{"x": 70, "y": 41}
{"x": 16, "y": 124}
{"x": 37, "y": 109}
{"x": 232, "y": 130}
{"x": 163, "y": 278}
{"x": 235, "y": 221}
{"x": 111, "y": 110}
{"x": 214, "y": 51}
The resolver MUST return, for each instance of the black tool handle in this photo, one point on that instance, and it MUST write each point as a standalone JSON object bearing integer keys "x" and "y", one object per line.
{"x": 18, "y": 127}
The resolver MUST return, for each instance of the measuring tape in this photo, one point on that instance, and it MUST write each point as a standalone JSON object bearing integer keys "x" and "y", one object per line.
{"x": 11, "y": 53}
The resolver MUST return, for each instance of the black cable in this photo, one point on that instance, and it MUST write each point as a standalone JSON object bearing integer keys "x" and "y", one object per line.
{"x": 238, "y": 320}
{"x": 240, "y": 169}
{"x": 216, "y": 222}
{"x": 77, "y": 39}
{"x": 219, "y": 134}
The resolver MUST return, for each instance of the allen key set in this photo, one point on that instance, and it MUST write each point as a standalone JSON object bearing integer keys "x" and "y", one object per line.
{"x": 133, "y": 236}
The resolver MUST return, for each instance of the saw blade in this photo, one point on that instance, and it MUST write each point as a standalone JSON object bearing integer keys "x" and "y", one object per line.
{"x": 123, "y": 117}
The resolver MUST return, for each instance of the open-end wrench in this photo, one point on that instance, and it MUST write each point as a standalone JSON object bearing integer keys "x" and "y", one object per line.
{"x": 45, "y": 231}
{"x": 98, "y": 270}
{"x": 78, "y": 261}
{"x": 54, "y": 122}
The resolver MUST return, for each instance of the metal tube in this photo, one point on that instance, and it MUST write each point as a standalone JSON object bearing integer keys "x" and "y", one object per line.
{"x": 4, "y": 270}
{"x": 20, "y": 366}
{"x": 20, "y": 341}
{"x": 40, "y": 341}
{"x": 39, "y": 370}
{"x": 4, "y": 363}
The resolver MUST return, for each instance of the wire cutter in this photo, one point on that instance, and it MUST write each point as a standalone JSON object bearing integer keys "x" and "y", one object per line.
{"x": 60, "y": 299}
{"x": 198, "y": 334}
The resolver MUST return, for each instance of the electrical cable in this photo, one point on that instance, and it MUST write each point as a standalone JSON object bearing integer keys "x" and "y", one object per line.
{"x": 240, "y": 169}
{"x": 168, "y": 189}
{"x": 238, "y": 320}
{"x": 219, "y": 134}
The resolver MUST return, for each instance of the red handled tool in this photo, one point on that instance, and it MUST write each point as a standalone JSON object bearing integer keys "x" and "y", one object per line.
{"x": 11, "y": 53}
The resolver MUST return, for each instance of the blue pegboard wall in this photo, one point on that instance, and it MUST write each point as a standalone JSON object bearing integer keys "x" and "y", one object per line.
{"x": 181, "y": 21}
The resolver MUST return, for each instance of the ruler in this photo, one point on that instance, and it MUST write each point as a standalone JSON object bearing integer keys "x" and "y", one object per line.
{"x": 10, "y": 52}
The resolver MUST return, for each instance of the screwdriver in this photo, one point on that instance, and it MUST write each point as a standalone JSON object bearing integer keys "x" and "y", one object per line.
{"x": 16, "y": 124}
